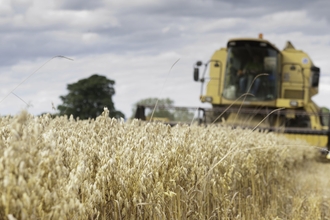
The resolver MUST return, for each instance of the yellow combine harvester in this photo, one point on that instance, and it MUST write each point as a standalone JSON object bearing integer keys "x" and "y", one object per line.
{"x": 253, "y": 84}
{"x": 257, "y": 85}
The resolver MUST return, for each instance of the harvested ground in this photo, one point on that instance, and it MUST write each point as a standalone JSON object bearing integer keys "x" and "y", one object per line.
{"x": 314, "y": 178}
{"x": 308, "y": 192}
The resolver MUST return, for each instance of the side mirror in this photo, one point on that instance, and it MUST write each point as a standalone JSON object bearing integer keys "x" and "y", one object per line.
{"x": 199, "y": 63}
{"x": 196, "y": 74}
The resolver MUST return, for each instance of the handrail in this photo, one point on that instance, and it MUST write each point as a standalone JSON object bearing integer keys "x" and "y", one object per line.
{"x": 204, "y": 73}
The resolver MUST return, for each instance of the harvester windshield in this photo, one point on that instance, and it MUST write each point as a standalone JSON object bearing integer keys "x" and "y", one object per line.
{"x": 251, "y": 67}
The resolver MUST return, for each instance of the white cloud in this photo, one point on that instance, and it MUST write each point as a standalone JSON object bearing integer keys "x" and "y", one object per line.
{"x": 38, "y": 19}
{"x": 165, "y": 29}
{"x": 5, "y": 8}
{"x": 292, "y": 19}
{"x": 217, "y": 25}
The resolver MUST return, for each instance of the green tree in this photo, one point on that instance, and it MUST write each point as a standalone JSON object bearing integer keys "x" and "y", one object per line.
{"x": 88, "y": 97}
{"x": 165, "y": 109}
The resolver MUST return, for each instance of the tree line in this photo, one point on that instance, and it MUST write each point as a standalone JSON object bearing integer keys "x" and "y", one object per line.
{"x": 88, "y": 97}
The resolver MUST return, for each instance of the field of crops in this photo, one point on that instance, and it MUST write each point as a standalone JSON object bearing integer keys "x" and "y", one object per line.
{"x": 110, "y": 169}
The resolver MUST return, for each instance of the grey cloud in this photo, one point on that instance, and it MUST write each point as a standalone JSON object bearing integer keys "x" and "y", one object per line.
{"x": 133, "y": 35}
{"x": 317, "y": 9}
{"x": 320, "y": 10}
{"x": 80, "y": 4}
{"x": 146, "y": 28}
{"x": 216, "y": 9}
{"x": 20, "y": 7}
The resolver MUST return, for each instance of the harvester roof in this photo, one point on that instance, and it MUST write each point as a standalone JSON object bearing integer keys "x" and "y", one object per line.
{"x": 237, "y": 42}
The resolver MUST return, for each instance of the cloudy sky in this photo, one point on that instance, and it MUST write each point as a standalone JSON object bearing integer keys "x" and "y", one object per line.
{"x": 135, "y": 43}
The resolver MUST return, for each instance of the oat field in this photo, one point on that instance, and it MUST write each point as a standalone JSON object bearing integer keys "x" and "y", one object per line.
{"x": 61, "y": 168}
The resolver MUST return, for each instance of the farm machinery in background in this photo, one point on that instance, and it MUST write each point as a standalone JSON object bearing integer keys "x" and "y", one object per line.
{"x": 253, "y": 84}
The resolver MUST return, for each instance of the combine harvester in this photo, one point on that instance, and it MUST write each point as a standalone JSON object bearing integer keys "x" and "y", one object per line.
{"x": 253, "y": 84}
